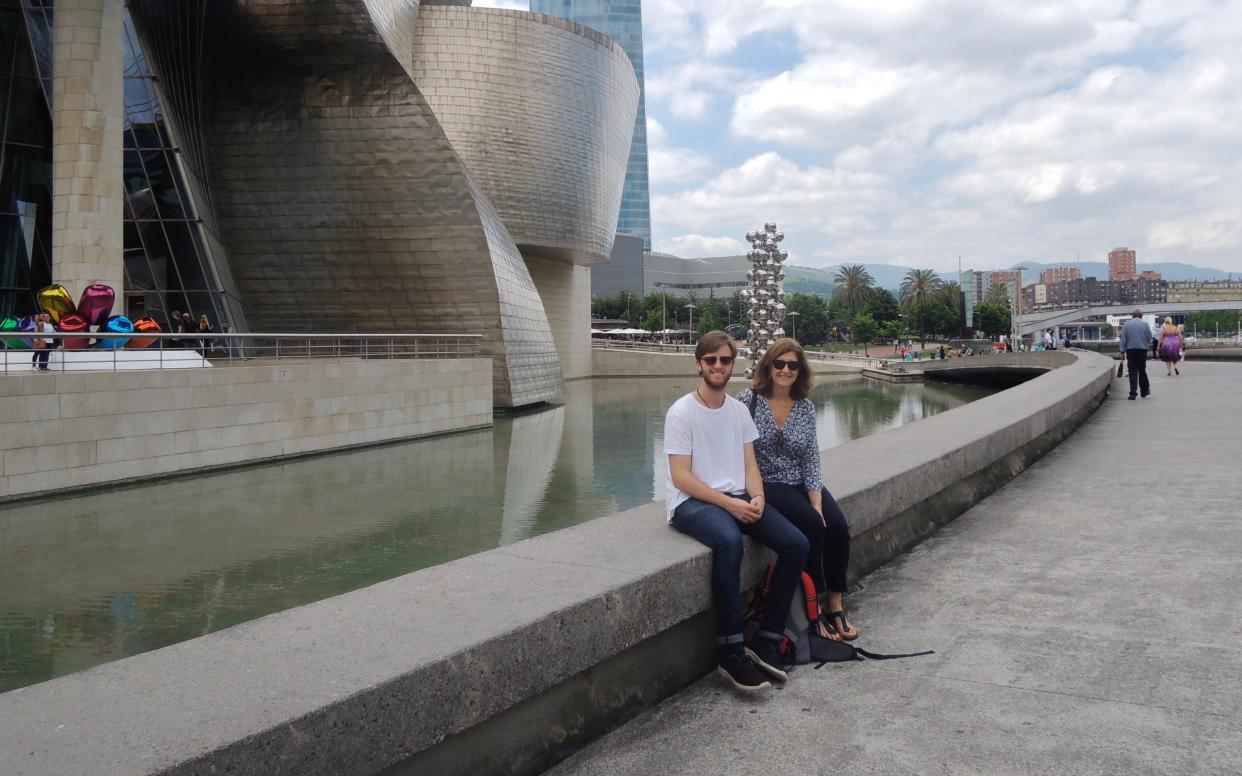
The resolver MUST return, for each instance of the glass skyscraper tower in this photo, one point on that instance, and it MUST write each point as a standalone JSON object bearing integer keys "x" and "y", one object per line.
{"x": 621, "y": 20}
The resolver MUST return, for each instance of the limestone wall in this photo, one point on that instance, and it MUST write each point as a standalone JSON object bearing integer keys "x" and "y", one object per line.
{"x": 68, "y": 430}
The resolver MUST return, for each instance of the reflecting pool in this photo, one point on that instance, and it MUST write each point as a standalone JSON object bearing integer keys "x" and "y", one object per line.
{"x": 94, "y": 578}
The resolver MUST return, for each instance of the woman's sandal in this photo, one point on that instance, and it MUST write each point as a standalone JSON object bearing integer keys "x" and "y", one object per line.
{"x": 825, "y": 629}
{"x": 844, "y": 630}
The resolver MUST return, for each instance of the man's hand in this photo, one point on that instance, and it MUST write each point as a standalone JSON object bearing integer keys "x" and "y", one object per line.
{"x": 744, "y": 511}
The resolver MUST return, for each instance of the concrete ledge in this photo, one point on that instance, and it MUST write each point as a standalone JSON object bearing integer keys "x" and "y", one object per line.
{"x": 529, "y": 648}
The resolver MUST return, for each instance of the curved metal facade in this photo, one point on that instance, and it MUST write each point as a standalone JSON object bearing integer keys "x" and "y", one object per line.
{"x": 542, "y": 112}
{"x": 344, "y": 205}
{"x": 327, "y": 194}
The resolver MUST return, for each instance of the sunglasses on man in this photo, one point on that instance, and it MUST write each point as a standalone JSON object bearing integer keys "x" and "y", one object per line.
{"x": 792, "y": 366}
{"x": 711, "y": 360}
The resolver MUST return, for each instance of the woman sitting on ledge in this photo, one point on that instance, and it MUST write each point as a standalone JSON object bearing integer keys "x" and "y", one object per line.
{"x": 787, "y": 452}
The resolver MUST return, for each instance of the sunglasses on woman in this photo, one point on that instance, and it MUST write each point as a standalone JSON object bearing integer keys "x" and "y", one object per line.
{"x": 792, "y": 366}
{"x": 711, "y": 360}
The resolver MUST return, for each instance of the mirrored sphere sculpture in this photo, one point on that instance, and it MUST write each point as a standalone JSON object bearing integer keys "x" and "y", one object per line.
{"x": 766, "y": 308}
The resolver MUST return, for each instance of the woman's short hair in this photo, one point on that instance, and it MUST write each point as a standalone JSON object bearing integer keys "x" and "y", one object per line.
{"x": 711, "y": 342}
{"x": 1168, "y": 319}
{"x": 763, "y": 371}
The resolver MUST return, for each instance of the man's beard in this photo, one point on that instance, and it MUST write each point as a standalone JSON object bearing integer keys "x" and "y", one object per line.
{"x": 716, "y": 381}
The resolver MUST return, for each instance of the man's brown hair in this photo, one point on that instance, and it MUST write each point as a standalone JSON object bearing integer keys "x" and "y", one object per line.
{"x": 710, "y": 342}
{"x": 763, "y": 372}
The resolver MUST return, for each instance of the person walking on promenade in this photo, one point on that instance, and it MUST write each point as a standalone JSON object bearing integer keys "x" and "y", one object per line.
{"x": 1170, "y": 346}
{"x": 1135, "y": 334}
{"x": 787, "y": 452}
{"x": 715, "y": 495}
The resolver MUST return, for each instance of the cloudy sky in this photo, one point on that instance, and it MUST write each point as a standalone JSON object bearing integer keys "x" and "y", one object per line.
{"x": 910, "y": 131}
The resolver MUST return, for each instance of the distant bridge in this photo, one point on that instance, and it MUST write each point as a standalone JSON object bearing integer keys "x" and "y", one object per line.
{"x": 1046, "y": 319}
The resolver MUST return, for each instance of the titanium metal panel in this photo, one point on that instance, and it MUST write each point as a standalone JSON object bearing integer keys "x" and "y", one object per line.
{"x": 541, "y": 111}
{"x": 621, "y": 20}
{"x": 344, "y": 206}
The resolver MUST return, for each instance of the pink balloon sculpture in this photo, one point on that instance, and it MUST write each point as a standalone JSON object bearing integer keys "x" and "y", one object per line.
{"x": 96, "y": 304}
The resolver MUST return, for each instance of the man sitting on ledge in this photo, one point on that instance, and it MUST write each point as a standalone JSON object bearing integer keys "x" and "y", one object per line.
{"x": 715, "y": 494}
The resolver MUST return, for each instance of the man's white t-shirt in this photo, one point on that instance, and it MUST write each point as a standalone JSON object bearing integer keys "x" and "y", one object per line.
{"x": 714, "y": 439}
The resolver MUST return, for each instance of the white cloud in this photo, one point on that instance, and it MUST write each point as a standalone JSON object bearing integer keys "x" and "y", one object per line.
{"x": 1004, "y": 131}
{"x": 696, "y": 246}
{"x": 911, "y": 130}
{"x": 669, "y": 165}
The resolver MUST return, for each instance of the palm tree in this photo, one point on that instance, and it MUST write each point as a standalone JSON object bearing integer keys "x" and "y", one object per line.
{"x": 919, "y": 285}
{"x": 918, "y": 288}
{"x": 951, "y": 292}
{"x": 854, "y": 286}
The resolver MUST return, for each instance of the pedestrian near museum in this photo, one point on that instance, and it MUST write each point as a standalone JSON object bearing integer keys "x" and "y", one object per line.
{"x": 715, "y": 495}
{"x": 1135, "y": 337}
{"x": 43, "y": 346}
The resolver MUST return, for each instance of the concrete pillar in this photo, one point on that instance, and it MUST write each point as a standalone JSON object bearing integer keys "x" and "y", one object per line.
{"x": 88, "y": 109}
{"x": 565, "y": 290}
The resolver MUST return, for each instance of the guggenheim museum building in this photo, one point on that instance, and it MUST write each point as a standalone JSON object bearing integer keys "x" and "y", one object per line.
{"x": 319, "y": 166}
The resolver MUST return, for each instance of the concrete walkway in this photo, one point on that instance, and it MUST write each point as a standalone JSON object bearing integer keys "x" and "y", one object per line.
{"x": 1087, "y": 618}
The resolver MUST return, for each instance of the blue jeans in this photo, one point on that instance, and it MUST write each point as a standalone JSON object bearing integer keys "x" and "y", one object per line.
{"x": 717, "y": 529}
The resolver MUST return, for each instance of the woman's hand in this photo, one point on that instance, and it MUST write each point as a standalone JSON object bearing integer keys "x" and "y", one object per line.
{"x": 817, "y": 501}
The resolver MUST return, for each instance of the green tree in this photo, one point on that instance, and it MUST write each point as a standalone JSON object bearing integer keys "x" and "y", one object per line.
{"x": 883, "y": 306}
{"x": 918, "y": 289}
{"x": 941, "y": 318}
{"x": 854, "y": 287}
{"x": 893, "y": 330}
{"x": 1205, "y": 322}
{"x": 992, "y": 318}
{"x": 997, "y": 294}
{"x": 812, "y": 325}
{"x": 919, "y": 286}
{"x": 865, "y": 330}
{"x": 1106, "y": 330}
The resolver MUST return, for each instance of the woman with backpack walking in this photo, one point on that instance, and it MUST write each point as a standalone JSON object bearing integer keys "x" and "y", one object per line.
{"x": 787, "y": 452}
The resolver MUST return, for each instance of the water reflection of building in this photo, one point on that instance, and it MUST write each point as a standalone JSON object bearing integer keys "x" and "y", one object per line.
{"x": 532, "y": 444}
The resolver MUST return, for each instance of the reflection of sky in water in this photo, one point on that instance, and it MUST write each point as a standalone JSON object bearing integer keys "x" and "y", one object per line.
{"x": 94, "y": 578}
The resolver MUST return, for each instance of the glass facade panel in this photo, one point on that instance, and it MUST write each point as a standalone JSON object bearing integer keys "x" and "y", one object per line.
{"x": 25, "y": 169}
{"x": 166, "y": 266}
{"x": 621, "y": 20}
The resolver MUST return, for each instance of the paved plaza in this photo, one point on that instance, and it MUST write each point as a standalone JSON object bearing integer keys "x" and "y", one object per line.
{"x": 1085, "y": 620}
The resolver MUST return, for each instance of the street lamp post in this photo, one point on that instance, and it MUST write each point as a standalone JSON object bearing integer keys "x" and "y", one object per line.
{"x": 691, "y": 308}
{"x": 794, "y": 326}
{"x": 1015, "y": 326}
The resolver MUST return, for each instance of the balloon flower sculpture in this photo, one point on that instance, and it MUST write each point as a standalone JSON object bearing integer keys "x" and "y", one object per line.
{"x": 94, "y": 309}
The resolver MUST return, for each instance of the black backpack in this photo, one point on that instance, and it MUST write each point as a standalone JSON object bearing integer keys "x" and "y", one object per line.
{"x": 800, "y": 643}
{"x": 795, "y": 646}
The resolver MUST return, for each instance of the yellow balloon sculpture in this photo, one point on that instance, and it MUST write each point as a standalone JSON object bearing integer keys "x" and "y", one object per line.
{"x": 56, "y": 302}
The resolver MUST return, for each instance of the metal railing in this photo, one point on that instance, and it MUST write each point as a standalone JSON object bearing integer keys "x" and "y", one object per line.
{"x": 114, "y": 352}
{"x": 853, "y": 359}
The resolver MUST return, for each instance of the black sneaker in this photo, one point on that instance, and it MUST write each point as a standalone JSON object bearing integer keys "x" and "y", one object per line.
{"x": 766, "y": 654}
{"x": 740, "y": 672}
